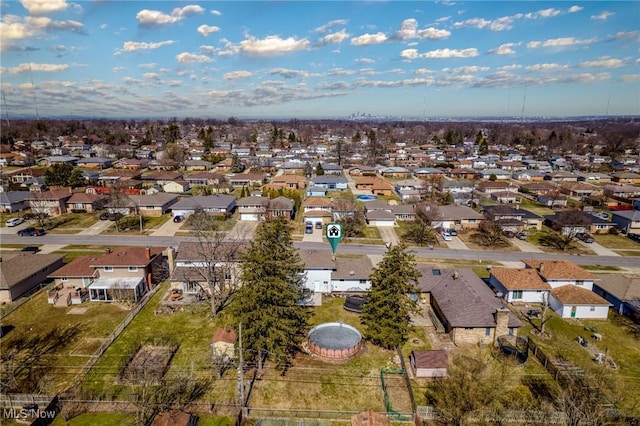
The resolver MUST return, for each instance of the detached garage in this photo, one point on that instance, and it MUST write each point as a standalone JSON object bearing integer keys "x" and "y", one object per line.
{"x": 570, "y": 301}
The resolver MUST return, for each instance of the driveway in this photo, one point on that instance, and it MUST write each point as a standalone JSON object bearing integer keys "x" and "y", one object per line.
{"x": 316, "y": 237}
{"x": 96, "y": 228}
{"x": 456, "y": 243}
{"x": 389, "y": 235}
{"x": 351, "y": 183}
{"x": 167, "y": 229}
{"x": 243, "y": 230}
{"x": 598, "y": 249}
{"x": 525, "y": 246}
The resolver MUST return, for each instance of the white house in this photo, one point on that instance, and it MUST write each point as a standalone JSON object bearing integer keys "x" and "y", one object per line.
{"x": 561, "y": 272}
{"x": 519, "y": 285}
{"x": 351, "y": 275}
{"x": 570, "y": 301}
{"x": 319, "y": 265}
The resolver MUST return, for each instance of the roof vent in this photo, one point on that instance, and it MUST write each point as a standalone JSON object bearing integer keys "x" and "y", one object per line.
{"x": 352, "y": 273}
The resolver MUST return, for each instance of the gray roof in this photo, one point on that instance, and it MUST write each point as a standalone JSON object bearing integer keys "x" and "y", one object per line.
{"x": 380, "y": 215}
{"x": 459, "y": 212}
{"x": 317, "y": 258}
{"x": 360, "y": 266}
{"x": 329, "y": 179}
{"x": 622, "y": 287}
{"x": 633, "y": 215}
{"x": 20, "y": 266}
{"x": 157, "y": 199}
{"x": 208, "y": 201}
{"x": 465, "y": 301}
{"x": 14, "y": 197}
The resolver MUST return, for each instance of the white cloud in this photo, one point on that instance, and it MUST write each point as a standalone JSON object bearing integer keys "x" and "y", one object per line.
{"x": 38, "y": 67}
{"x": 559, "y": 42}
{"x": 237, "y": 74}
{"x": 504, "y": 49}
{"x": 586, "y": 78}
{"x": 574, "y": 9}
{"x": 365, "y": 60}
{"x": 478, "y": 23}
{"x": 40, "y": 7}
{"x": 409, "y": 30}
{"x": 272, "y": 45}
{"x": 216, "y": 12}
{"x": 469, "y": 69}
{"x": 209, "y": 50}
{"x": 628, "y": 78}
{"x": 329, "y": 25}
{"x": 409, "y": 54}
{"x": 337, "y": 37}
{"x": 104, "y": 26}
{"x": 205, "y": 30}
{"x": 507, "y": 22}
{"x": 452, "y": 53}
{"x": 149, "y": 66}
{"x": 118, "y": 69}
{"x": 154, "y": 17}
{"x": 288, "y": 73}
{"x": 422, "y": 71}
{"x": 602, "y": 16}
{"x": 151, "y": 76}
{"x": 15, "y": 27}
{"x": 603, "y": 63}
{"x": 132, "y": 46}
{"x": 545, "y": 13}
{"x": 192, "y": 58}
{"x": 547, "y": 67}
{"x": 510, "y": 67}
{"x": 369, "y": 39}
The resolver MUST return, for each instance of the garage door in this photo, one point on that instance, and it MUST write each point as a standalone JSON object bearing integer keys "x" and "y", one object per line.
{"x": 249, "y": 217}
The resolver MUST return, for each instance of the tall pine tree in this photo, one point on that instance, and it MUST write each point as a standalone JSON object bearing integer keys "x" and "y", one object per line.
{"x": 386, "y": 313}
{"x": 274, "y": 324}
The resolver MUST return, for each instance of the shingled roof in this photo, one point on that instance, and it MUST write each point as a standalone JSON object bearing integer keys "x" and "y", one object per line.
{"x": 558, "y": 269}
{"x": 520, "y": 279}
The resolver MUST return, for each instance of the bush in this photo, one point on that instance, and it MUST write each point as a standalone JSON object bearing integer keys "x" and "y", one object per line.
{"x": 613, "y": 231}
{"x": 131, "y": 222}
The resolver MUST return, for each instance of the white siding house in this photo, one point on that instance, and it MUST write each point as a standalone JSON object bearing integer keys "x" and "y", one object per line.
{"x": 570, "y": 301}
{"x": 519, "y": 285}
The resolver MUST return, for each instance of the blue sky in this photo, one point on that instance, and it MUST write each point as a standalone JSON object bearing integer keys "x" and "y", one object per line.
{"x": 281, "y": 59}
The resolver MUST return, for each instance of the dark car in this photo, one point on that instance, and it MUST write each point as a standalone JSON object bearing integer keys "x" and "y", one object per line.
{"x": 308, "y": 229}
{"x": 27, "y": 232}
{"x": 453, "y": 232}
{"x": 178, "y": 219}
{"x": 521, "y": 236}
{"x": 110, "y": 216}
{"x": 509, "y": 234}
{"x": 318, "y": 225}
{"x": 634, "y": 237}
{"x": 31, "y": 249}
{"x": 583, "y": 236}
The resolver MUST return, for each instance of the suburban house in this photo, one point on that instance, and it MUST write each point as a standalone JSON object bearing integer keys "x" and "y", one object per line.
{"x": 86, "y": 202}
{"x": 552, "y": 199}
{"x": 154, "y": 205}
{"x": 288, "y": 182}
{"x": 519, "y": 285}
{"x": 218, "y": 204}
{"x": 380, "y": 217}
{"x": 458, "y": 217}
{"x": 94, "y": 163}
{"x": 72, "y": 281}
{"x": 315, "y": 191}
{"x": 514, "y": 218}
{"x": 204, "y": 179}
{"x": 319, "y": 266}
{"x": 429, "y": 364}
{"x": 465, "y": 306}
{"x": 330, "y": 182}
{"x": 628, "y": 221}
{"x": 253, "y": 208}
{"x": 375, "y": 185}
{"x": 53, "y": 203}
{"x": 247, "y": 180}
{"x": 586, "y": 223}
{"x": 176, "y": 187}
{"x": 351, "y": 275}
{"x": 558, "y": 273}
{"x": 22, "y": 273}
{"x": 223, "y": 342}
{"x": 281, "y": 207}
{"x": 621, "y": 290}
{"x": 126, "y": 273}
{"x": 626, "y": 177}
{"x": 192, "y": 269}
{"x": 14, "y": 201}
{"x": 570, "y": 301}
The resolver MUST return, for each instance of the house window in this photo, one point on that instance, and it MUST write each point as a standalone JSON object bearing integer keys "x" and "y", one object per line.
{"x": 487, "y": 331}
{"x": 108, "y": 269}
{"x": 511, "y": 331}
{"x": 592, "y": 308}
{"x": 363, "y": 281}
{"x": 579, "y": 282}
{"x": 64, "y": 279}
{"x": 133, "y": 269}
{"x": 516, "y": 294}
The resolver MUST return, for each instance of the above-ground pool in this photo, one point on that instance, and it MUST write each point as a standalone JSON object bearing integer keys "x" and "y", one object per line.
{"x": 367, "y": 197}
{"x": 334, "y": 340}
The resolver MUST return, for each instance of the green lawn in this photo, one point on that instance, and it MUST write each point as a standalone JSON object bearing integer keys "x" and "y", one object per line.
{"x": 628, "y": 252}
{"x": 616, "y": 241}
{"x": 102, "y": 419}
{"x": 574, "y": 247}
{"x": 72, "y": 222}
{"x": 35, "y": 318}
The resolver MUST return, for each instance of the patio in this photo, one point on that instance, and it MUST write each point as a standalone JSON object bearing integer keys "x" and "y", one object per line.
{"x": 61, "y": 296}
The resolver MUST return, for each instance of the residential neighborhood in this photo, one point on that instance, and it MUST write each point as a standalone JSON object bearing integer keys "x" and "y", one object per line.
{"x": 526, "y": 258}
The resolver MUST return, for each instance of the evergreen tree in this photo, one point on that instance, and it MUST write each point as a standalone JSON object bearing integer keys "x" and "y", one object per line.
{"x": 319, "y": 170}
{"x": 308, "y": 170}
{"x": 63, "y": 175}
{"x": 386, "y": 313}
{"x": 273, "y": 322}
{"x": 236, "y": 165}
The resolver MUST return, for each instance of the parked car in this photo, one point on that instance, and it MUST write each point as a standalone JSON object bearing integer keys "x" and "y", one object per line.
{"x": 178, "y": 219}
{"x": 446, "y": 236}
{"x": 308, "y": 227}
{"x": 509, "y": 234}
{"x": 14, "y": 222}
{"x": 453, "y": 232}
{"x": 634, "y": 237}
{"x": 318, "y": 225}
{"x": 584, "y": 237}
{"x": 31, "y": 232}
{"x": 110, "y": 216}
{"x": 521, "y": 236}
{"x": 31, "y": 249}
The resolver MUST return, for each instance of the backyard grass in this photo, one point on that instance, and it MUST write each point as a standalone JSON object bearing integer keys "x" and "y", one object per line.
{"x": 35, "y": 318}
{"x": 619, "y": 339}
{"x": 615, "y": 241}
{"x": 190, "y": 327}
{"x": 91, "y": 419}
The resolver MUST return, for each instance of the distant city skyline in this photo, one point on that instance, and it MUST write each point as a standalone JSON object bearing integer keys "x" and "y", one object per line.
{"x": 284, "y": 59}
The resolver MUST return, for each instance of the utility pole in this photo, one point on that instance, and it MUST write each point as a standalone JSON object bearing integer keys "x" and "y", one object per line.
{"x": 240, "y": 368}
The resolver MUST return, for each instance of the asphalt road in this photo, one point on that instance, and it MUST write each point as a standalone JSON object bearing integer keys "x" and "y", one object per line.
{"x": 483, "y": 257}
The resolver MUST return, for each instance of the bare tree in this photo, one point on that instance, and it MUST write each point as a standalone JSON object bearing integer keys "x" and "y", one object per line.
{"x": 567, "y": 224}
{"x": 489, "y": 234}
{"x": 421, "y": 230}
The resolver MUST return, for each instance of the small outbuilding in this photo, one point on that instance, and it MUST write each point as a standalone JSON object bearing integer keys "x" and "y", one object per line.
{"x": 223, "y": 342}
{"x": 428, "y": 364}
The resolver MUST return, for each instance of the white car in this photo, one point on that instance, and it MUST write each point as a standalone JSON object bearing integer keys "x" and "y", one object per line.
{"x": 446, "y": 236}
{"x": 15, "y": 221}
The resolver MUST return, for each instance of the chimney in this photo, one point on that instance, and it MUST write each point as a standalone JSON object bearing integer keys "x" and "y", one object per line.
{"x": 171, "y": 258}
{"x": 147, "y": 253}
{"x": 502, "y": 323}
{"x": 541, "y": 268}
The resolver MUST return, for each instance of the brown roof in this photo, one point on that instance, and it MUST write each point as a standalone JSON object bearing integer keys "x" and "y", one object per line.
{"x": 574, "y": 295}
{"x": 81, "y": 197}
{"x": 58, "y": 194}
{"x": 520, "y": 279}
{"x": 128, "y": 256}
{"x": 360, "y": 266}
{"x": 431, "y": 359}
{"x": 171, "y": 418}
{"x": 559, "y": 269}
{"x": 78, "y": 267}
{"x": 225, "y": 335}
{"x": 288, "y": 178}
{"x": 317, "y": 259}
{"x": 317, "y": 202}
